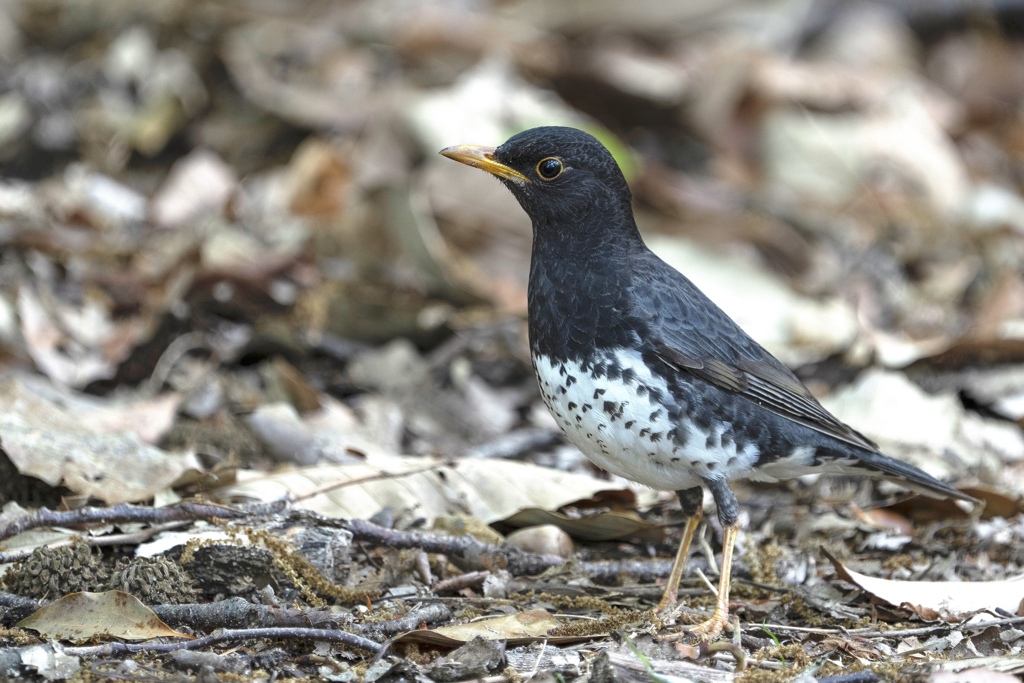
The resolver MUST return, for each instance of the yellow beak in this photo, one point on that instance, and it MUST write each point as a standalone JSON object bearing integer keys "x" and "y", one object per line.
{"x": 483, "y": 158}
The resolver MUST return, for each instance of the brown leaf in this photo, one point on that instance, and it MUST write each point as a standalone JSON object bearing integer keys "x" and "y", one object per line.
{"x": 924, "y": 509}
{"x": 517, "y": 629}
{"x": 85, "y": 616}
{"x": 885, "y": 519}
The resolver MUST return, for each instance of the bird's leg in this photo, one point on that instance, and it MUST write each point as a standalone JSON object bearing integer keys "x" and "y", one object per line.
{"x": 728, "y": 512}
{"x": 710, "y": 630}
{"x": 692, "y": 501}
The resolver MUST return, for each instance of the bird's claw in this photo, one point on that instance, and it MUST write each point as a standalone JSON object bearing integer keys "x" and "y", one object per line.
{"x": 704, "y": 633}
{"x": 710, "y": 630}
{"x": 668, "y": 613}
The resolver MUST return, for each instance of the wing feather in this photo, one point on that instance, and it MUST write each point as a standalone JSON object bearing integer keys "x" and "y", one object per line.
{"x": 693, "y": 335}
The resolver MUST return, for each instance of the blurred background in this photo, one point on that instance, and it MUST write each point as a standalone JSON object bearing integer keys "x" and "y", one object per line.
{"x": 240, "y": 205}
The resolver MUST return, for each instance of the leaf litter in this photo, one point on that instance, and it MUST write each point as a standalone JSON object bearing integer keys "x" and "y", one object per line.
{"x": 250, "y": 324}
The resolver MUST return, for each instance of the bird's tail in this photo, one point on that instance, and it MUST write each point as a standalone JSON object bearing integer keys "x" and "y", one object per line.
{"x": 879, "y": 465}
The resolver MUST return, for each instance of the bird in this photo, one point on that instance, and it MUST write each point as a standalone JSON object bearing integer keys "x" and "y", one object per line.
{"x": 642, "y": 372}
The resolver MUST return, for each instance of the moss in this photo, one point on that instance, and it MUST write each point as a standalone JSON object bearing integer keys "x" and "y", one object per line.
{"x": 614, "y": 620}
{"x": 763, "y": 561}
{"x": 793, "y": 657}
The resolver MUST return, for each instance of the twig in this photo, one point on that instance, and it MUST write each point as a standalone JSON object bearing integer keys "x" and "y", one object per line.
{"x": 702, "y": 539}
{"x": 133, "y": 538}
{"x": 233, "y": 612}
{"x": 536, "y": 664}
{"x": 239, "y": 612}
{"x": 806, "y": 629}
{"x": 174, "y": 352}
{"x": 711, "y": 586}
{"x": 980, "y": 626}
{"x": 457, "y": 583}
{"x": 737, "y": 645}
{"x": 231, "y": 636}
{"x": 423, "y": 569}
{"x": 869, "y": 633}
{"x": 476, "y": 554}
{"x": 431, "y": 613}
{"x": 119, "y": 514}
{"x": 472, "y": 552}
{"x": 376, "y": 476}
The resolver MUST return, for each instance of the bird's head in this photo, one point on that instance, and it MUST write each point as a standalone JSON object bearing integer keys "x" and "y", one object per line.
{"x": 559, "y": 175}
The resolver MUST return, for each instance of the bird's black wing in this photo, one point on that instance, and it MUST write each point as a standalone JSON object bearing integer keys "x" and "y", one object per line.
{"x": 690, "y": 333}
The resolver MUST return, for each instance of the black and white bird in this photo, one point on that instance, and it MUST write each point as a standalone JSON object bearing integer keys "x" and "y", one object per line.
{"x": 645, "y": 374}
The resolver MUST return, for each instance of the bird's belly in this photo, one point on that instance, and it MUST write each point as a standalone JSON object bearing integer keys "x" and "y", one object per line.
{"x": 626, "y": 420}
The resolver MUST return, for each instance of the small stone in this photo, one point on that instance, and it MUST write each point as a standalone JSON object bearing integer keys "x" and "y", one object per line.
{"x": 546, "y": 539}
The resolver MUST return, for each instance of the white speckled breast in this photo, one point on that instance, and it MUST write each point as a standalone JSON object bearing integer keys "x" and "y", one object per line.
{"x": 618, "y": 414}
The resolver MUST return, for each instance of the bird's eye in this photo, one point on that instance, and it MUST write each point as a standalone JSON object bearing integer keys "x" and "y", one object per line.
{"x": 550, "y": 168}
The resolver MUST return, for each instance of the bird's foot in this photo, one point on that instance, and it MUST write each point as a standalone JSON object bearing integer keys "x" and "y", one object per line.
{"x": 705, "y": 632}
{"x": 710, "y": 630}
{"x": 668, "y": 609}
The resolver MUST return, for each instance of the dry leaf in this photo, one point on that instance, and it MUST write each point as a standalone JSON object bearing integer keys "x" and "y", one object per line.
{"x": 531, "y": 624}
{"x": 490, "y": 490}
{"x": 831, "y": 157}
{"x": 198, "y": 185}
{"x": 317, "y": 179}
{"x": 53, "y": 441}
{"x": 885, "y": 519}
{"x": 950, "y": 601}
{"x": 56, "y": 340}
{"x": 603, "y": 526}
{"x": 86, "y": 616}
{"x": 517, "y": 629}
{"x": 923, "y": 509}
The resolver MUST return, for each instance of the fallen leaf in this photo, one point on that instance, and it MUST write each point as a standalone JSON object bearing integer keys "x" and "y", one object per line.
{"x": 603, "y": 526}
{"x": 885, "y": 519}
{"x": 517, "y": 629}
{"x": 198, "y": 185}
{"x": 490, "y": 490}
{"x": 85, "y": 616}
{"x": 530, "y": 624}
{"x": 48, "y": 326}
{"x": 950, "y": 601}
{"x": 317, "y": 179}
{"x": 49, "y": 662}
{"x": 924, "y": 509}
{"x": 50, "y": 439}
{"x": 830, "y": 157}
{"x": 1005, "y": 664}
